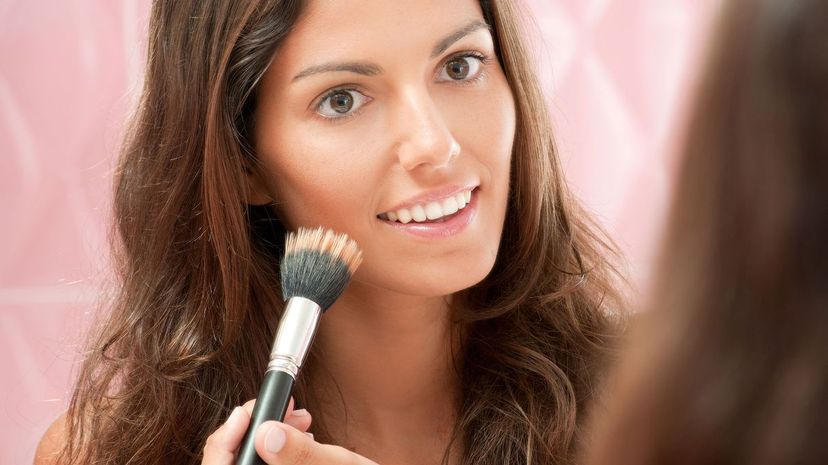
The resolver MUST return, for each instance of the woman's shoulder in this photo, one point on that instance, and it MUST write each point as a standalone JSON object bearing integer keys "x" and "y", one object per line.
{"x": 52, "y": 442}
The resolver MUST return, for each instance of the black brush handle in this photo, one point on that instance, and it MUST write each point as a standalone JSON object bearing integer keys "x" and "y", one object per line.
{"x": 272, "y": 403}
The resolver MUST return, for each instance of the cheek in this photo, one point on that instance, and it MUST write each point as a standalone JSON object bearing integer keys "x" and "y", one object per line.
{"x": 496, "y": 126}
{"x": 484, "y": 123}
{"x": 489, "y": 133}
{"x": 318, "y": 180}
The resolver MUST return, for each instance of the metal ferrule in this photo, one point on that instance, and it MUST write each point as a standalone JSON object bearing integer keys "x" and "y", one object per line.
{"x": 294, "y": 336}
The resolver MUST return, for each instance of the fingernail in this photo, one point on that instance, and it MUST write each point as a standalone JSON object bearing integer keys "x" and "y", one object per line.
{"x": 234, "y": 416}
{"x": 310, "y": 435}
{"x": 300, "y": 413}
{"x": 275, "y": 440}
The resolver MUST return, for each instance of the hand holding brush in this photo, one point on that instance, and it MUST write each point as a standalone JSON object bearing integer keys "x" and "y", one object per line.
{"x": 317, "y": 266}
{"x": 279, "y": 443}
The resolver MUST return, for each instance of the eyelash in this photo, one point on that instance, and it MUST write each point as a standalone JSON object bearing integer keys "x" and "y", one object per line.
{"x": 484, "y": 60}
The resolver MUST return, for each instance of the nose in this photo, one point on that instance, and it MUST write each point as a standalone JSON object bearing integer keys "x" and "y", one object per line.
{"x": 425, "y": 139}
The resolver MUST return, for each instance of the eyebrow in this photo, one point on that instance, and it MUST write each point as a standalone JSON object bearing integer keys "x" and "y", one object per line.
{"x": 371, "y": 69}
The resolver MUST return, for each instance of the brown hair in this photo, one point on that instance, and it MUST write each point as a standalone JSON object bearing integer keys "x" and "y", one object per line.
{"x": 729, "y": 366}
{"x": 186, "y": 337}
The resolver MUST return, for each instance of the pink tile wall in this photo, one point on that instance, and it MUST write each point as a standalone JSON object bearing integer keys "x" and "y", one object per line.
{"x": 616, "y": 73}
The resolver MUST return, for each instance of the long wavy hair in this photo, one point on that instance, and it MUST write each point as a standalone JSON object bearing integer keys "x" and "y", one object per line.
{"x": 729, "y": 364}
{"x": 185, "y": 339}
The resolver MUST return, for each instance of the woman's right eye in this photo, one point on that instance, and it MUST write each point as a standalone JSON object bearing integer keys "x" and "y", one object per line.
{"x": 338, "y": 103}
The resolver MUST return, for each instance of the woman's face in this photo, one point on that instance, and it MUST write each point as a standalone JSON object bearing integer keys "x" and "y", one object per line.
{"x": 377, "y": 115}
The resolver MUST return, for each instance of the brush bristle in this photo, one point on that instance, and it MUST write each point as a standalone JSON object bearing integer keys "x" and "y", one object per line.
{"x": 318, "y": 265}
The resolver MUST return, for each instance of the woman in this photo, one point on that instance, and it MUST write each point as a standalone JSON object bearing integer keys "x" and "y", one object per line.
{"x": 458, "y": 341}
{"x": 730, "y": 366}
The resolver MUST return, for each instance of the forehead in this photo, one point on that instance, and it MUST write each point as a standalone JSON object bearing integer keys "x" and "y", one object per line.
{"x": 373, "y": 30}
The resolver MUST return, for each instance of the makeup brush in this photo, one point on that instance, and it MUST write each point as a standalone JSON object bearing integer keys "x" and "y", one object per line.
{"x": 316, "y": 268}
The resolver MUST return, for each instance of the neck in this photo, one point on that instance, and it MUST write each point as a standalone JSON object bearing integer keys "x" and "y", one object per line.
{"x": 391, "y": 357}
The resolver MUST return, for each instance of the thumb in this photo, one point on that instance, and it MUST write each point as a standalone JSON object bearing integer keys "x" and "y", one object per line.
{"x": 278, "y": 443}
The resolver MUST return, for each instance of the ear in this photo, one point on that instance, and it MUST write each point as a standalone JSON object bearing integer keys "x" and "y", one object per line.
{"x": 257, "y": 191}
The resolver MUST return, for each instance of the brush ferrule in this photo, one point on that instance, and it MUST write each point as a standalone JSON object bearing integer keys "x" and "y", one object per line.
{"x": 295, "y": 335}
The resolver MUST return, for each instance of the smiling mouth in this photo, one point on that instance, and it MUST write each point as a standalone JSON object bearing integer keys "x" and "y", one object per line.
{"x": 436, "y": 211}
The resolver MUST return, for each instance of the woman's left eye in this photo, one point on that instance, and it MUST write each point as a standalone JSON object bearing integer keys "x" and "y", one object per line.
{"x": 459, "y": 67}
{"x": 339, "y": 104}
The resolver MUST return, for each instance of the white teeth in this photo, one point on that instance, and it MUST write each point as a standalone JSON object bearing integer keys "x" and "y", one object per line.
{"x": 418, "y": 213}
{"x": 431, "y": 210}
{"x": 461, "y": 200}
{"x": 449, "y": 206}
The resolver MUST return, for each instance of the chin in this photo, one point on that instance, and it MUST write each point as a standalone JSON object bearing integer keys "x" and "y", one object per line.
{"x": 446, "y": 281}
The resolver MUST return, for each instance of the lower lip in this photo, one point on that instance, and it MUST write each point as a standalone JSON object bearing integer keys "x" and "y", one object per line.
{"x": 447, "y": 228}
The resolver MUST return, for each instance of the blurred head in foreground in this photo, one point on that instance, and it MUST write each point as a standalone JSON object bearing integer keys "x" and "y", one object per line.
{"x": 729, "y": 365}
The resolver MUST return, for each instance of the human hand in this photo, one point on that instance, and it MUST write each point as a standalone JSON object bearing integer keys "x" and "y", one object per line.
{"x": 276, "y": 443}
{"x": 222, "y": 445}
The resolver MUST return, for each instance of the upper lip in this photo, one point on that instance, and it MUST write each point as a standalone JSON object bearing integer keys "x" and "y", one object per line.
{"x": 430, "y": 196}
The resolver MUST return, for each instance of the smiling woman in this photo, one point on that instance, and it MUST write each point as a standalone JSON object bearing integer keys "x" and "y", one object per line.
{"x": 476, "y": 329}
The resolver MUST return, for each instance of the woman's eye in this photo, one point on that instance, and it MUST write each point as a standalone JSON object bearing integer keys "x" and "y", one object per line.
{"x": 460, "y": 67}
{"x": 338, "y": 103}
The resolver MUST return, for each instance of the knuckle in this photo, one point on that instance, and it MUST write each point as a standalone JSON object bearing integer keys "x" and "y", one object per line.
{"x": 303, "y": 454}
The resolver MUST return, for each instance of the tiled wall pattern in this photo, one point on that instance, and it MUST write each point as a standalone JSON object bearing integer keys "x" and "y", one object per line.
{"x": 616, "y": 72}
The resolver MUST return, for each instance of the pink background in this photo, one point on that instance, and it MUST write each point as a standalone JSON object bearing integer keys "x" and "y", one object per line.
{"x": 616, "y": 74}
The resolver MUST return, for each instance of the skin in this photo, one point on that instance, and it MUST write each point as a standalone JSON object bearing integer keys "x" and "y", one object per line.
{"x": 416, "y": 127}
{"x": 402, "y": 139}
{"x": 276, "y": 442}
{"x": 221, "y": 446}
